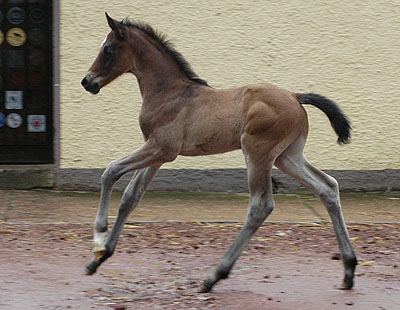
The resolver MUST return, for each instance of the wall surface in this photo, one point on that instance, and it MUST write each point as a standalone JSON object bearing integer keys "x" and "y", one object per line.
{"x": 347, "y": 50}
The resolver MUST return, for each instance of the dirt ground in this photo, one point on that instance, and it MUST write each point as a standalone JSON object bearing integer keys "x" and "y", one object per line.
{"x": 174, "y": 240}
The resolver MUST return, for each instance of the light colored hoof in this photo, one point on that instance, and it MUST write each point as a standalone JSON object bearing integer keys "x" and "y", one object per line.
{"x": 98, "y": 248}
{"x": 98, "y": 255}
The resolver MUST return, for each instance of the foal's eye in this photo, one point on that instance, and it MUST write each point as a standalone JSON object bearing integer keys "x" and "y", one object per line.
{"x": 108, "y": 50}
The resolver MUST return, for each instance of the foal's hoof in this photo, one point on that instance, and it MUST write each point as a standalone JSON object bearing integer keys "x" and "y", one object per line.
{"x": 347, "y": 283}
{"x": 205, "y": 287}
{"x": 99, "y": 258}
{"x": 91, "y": 268}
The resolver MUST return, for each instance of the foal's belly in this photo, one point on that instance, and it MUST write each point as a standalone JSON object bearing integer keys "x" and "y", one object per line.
{"x": 213, "y": 143}
{"x": 208, "y": 149}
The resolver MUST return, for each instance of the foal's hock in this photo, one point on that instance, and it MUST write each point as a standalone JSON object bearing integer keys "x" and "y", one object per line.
{"x": 182, "y": 115}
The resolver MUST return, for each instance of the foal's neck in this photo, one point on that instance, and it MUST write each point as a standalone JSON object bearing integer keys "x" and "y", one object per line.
{"x": 155, "y": 69}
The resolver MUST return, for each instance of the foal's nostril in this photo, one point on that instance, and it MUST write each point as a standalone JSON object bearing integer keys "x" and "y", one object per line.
{"x": 90, "y": 85}
{"x": 95, "y": 88}
{"x": 84, "y": 82}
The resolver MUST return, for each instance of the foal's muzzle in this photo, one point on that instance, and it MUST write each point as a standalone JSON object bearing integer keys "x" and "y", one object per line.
{"x": 90, "y": 85}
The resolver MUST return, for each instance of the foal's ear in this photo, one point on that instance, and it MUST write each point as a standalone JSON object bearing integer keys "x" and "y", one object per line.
{"x": 116, "y": 26}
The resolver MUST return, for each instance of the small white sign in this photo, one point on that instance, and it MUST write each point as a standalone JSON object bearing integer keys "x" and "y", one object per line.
{"x": 14, "y": 100}
{"x": 14, "y": 120}
{"x": 36, "y": 123}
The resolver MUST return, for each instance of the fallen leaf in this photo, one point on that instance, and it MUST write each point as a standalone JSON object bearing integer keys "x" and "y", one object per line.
{"x": 366, "y": 263}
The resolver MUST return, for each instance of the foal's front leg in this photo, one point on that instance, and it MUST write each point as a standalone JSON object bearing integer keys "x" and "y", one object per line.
{"x": 130, "y": 199}
{"x": 149, "y": 155}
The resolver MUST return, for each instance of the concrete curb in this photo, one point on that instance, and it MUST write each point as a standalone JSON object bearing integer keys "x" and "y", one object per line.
{"x": 231, "y": 180}
{"x": 215, "y": 180}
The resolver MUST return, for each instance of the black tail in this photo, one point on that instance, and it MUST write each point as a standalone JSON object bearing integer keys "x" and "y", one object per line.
{"x": 338, "y": 120}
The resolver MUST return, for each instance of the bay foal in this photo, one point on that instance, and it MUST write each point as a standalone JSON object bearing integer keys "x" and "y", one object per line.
{"x": 182, "y": 115}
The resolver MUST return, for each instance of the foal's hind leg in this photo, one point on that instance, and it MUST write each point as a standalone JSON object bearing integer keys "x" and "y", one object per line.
{"x": 261, "y": 205}
{"x": 294, "y": 163}
{"x": 130, "y": 199}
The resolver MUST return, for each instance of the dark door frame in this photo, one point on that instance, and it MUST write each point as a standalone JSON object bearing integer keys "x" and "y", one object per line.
{"x": 27, "y": 176}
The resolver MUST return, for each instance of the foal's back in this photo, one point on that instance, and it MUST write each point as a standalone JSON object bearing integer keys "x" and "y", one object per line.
{"x": 216, "y": 120}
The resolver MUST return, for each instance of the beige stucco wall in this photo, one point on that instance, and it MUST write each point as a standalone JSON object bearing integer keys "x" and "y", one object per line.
{"x": 347, "y": 50}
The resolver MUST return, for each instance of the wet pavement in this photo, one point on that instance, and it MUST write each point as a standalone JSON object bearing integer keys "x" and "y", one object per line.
{"x": 174, "y": 240}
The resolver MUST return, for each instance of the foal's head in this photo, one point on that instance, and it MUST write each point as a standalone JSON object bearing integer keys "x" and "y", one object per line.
{"x": 138, "y": 48}
{"x": 115, "y": 58}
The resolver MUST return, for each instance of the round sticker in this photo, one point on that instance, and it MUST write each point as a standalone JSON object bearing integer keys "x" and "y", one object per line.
{"x": 38, "y": 16}
{"x": 14, "y": 120}
{"x": 36, "y": 36}
{"x": 16, "y": 15}
{"x": 1, "y": 37}
{"x": 16, "y": 37}
{"x": 2, "y": 120}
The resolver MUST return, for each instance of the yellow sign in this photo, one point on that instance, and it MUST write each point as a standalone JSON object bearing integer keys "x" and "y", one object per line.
{"x": 16, "y": 37}
{"x": 1, "y": 37}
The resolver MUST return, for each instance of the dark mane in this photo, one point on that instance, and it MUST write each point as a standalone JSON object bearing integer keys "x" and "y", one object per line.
{"x": 167, "y": 46}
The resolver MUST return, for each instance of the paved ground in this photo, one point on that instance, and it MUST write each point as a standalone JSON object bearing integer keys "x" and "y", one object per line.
{"x": 174, "y": 240}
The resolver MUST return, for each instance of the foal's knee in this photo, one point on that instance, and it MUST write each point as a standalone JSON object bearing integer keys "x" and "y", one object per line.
{"x": 110, "y": 174}
{"x": 329, "y": 194}
{"x": 333, "y": 184}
